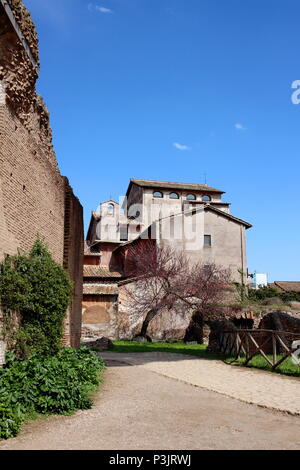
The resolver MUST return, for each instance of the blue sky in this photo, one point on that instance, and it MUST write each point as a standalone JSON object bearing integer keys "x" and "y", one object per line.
{"x": 125, "y": 80}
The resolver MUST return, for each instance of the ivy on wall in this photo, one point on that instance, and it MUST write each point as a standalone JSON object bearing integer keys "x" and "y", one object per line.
{"x": 34, "y": 297}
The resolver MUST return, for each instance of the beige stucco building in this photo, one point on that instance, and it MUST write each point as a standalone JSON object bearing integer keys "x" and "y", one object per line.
{"x": 189, "y": 217}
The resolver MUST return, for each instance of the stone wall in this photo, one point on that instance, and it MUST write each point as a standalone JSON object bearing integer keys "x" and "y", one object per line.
{"x": 100, "y": 316}
{"x": 35, "y": 199}
{"x": 32, "y": 192}
{"x": 16, "y": 69}
{"x": 2, "y": 94}
{"x": 73, "y": 262}
{"x": 280, "y": 321}
{"x": 167, "y": 325}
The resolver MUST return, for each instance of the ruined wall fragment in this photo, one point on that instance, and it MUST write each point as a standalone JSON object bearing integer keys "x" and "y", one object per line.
{"x": 33, "y": 194}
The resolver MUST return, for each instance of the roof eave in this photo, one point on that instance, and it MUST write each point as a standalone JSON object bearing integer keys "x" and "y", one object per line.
{"x": 228, "y": 216}
{"x": 143, "y": 184}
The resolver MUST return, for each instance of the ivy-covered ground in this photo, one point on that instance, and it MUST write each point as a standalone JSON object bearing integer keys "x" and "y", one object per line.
{"x": 40, "y": 376}
{"x": 59, "y": 384}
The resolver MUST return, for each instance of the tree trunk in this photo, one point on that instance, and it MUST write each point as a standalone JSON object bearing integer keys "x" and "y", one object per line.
{"x": 150, "y": 315}
{"x": 194, "y": 331}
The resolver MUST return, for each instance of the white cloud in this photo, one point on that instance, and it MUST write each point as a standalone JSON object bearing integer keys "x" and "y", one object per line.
{"x": 103, "y": 9}
{"x": 180, "y": 146}
{"x": 100, "y": 9}
{"x": 240, "y": 127}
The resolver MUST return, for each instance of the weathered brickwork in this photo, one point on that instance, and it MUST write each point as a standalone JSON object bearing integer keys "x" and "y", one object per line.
{"x": 35, "y": 199}
{"x": 2, "y": 93}
{"x": 32, "y": 192}
{"x": 73, "y": 262}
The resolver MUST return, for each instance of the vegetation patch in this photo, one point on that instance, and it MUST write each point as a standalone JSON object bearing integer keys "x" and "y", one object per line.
{"x": 34, "y": 296}
{"x": 266, "y": 292}
{"x": 40, "y": 376}
{"x": 59, "y": 384}
{"x": 199, "y": 350}
{"x": 259, "y": 362}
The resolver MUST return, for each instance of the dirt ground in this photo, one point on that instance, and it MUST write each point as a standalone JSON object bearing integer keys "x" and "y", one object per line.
{"x": 138, "y": 409}
{"x": 250, "y": 385}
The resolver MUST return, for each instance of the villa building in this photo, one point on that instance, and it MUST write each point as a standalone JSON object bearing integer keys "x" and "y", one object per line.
{"x": 192, "y": 218}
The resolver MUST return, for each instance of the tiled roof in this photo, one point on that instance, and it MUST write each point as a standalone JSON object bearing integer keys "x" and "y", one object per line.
{"x": 171, "y": 185}
{"x": 99, "y": 271}
{"x": 287, "y": 286}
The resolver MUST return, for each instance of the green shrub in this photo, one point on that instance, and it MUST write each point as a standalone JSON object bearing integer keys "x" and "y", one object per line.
{"x": 290, "y": 296}
{"x": 262, "y": 293}
{"x": 267, "y": 292}
{"x": 10, "y": 415}
{"x": 59, "y": 384}
{"x": 39, "y": 290}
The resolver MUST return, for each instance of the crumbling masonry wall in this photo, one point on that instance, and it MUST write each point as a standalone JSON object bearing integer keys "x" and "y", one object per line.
{"x": 73, "y": 263}
{"x": 35, "y": 199}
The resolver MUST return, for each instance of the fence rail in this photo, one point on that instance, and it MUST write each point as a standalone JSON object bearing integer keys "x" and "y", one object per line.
{"x": 266, "y": 343}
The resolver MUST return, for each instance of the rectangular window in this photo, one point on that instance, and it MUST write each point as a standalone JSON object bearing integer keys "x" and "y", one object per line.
{"x": 124, "y": 233}
{"x": 207, "y": 240}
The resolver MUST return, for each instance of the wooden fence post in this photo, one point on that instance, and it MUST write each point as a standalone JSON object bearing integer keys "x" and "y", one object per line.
{"x": 274, "y": 348}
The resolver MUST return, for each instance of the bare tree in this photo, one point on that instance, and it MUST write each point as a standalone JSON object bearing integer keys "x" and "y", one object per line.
{"x": 163, "y": 279}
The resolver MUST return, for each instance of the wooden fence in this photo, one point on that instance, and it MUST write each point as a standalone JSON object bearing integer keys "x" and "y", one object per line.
{"x": 267, "y": 343}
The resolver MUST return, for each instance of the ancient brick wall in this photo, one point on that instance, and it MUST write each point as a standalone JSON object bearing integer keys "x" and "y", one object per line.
{"x": 100, "y": 316}
{"x": 35, "y": 199}
{"x": 73, "y": 262}
{"x": 32, "y": 192}
{"x": 279, "y": 321}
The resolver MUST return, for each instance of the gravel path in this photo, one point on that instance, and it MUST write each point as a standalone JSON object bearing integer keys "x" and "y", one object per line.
{"x": 249, "y": 385}
{"x": 137, "y": 409}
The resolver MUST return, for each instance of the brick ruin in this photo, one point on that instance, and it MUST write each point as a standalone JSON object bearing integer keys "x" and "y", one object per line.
{"x": 35, "y": 199}
{"x": 278, "y": 321}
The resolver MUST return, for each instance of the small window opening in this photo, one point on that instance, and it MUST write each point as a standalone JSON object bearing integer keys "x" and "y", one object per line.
{"x": 110, "y": 209}
{"x": 207, "y": 240}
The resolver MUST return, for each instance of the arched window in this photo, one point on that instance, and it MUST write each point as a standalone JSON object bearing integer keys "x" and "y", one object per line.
{"x": 158, "y": 195}
{"x": 206, "y": 198}
{"x": 191, "y": 197}
{"x": 110, "y": 209}
{"x": 173, "y": 196}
